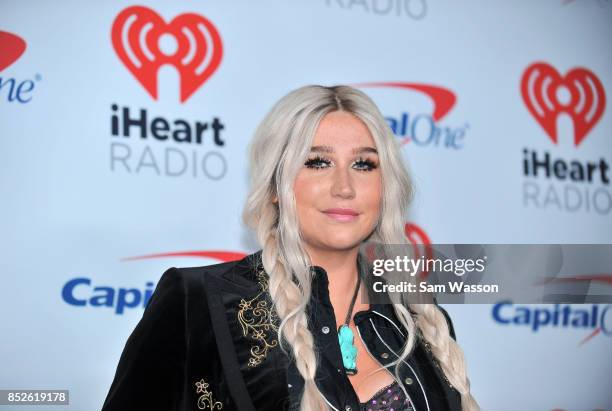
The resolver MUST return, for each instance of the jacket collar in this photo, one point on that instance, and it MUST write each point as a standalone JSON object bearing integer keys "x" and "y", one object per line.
{"x": 244, "y": 275}
{"x": 381, "y": 307}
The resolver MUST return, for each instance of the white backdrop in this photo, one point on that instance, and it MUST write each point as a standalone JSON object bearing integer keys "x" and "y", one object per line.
{"x": 79, "y": 203}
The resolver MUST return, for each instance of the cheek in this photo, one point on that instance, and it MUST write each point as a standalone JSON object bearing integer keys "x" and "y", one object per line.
{"x": 372, "y": 191}
{"x": 306, "y": 193}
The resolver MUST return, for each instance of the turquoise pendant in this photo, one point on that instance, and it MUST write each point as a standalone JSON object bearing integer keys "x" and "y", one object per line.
{"x": 349, "y": 351}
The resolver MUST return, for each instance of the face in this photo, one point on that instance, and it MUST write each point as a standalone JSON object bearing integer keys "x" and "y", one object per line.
{"x": 338, "y": 190}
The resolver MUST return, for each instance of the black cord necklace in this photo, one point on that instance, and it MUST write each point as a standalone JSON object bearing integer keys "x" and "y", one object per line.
{"x": 346, "y": 338}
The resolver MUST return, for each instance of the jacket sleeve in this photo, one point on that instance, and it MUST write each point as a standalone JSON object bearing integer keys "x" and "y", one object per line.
{"x": 151, "y": 368}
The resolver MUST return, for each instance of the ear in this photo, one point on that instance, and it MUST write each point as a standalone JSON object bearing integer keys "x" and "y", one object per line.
{"x": 275, "y": 199}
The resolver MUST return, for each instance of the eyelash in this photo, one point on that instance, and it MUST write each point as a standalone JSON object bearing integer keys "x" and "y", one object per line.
{"x": 315, "y": 162}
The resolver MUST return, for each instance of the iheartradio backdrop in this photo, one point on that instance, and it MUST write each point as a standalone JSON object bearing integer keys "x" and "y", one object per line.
{"x": 123, "y": 135}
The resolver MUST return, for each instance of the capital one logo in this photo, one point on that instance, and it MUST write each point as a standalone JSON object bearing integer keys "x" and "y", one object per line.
{"x": 144, "y": 42}
{"x": 14, "y": 89}
{"x": 423, "y": 129}
{"x": 11, "y": 48}
{"x": 547, "y": 94}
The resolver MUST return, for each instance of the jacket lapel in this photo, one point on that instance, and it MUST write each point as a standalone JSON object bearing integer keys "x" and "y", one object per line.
{"x": 246, "y": 328}
{"x": 225, "y": 345}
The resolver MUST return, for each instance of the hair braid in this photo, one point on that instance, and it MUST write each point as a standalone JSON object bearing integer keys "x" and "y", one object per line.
{"x": 290, "y": 304}
{"x": 434, "y": 329}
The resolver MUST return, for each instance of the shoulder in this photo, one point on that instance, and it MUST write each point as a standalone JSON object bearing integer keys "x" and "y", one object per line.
{"x": 242, "y": 272}
{"x": 184, "y": 292}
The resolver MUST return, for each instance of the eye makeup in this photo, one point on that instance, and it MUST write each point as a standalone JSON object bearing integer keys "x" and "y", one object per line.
{"x": 317, "y": 162}
{"x": 361, "y": 164}
{"x": 366, "y": 164}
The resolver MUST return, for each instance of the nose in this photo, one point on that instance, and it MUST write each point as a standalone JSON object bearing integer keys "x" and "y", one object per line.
{"x": 342, "y": 185}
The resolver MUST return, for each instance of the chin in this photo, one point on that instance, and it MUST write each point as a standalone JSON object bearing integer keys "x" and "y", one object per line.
{"x": 342, "y": 242}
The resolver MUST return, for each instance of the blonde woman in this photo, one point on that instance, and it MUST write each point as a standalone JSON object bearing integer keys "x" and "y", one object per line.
{"x": 282, "y": 328}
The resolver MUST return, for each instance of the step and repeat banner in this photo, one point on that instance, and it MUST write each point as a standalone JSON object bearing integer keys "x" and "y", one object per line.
{"x": 123, "y": 135}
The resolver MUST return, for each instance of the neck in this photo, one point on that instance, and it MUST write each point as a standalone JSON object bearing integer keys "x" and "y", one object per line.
{"x": 341, "y": 268}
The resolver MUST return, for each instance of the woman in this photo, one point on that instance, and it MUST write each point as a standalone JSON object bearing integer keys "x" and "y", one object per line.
{"x": 260, "y": 333}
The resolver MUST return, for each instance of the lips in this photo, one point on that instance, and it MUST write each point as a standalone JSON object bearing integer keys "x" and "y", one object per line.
{"x": 342, "y": 214}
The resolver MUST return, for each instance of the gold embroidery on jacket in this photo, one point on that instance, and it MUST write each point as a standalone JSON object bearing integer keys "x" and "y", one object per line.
{"x": 206, "y": 400}
{"x": 259, "y": 321}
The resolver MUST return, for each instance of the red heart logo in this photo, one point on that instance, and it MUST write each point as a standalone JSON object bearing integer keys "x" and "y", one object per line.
{"x": 421, "y": 244}
{"x": 11, "y": 48}
{"x": 542, "y": 88}
{"x": 136, "y": 35}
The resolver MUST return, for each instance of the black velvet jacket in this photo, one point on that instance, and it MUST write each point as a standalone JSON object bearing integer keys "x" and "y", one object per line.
{"x": 207, "y": 341}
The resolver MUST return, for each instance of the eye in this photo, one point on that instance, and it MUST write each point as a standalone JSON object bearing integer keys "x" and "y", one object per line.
{"x": 317, "y": 162}
{"x": 365, "y": 164}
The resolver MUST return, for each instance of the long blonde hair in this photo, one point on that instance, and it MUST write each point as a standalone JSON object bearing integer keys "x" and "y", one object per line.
{"x": 277, "y": 152}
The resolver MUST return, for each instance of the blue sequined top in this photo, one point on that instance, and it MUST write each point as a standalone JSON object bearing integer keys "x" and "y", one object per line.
{"x": 389, "y": 398}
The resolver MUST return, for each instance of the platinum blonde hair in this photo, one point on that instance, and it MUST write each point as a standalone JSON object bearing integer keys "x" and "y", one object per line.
{"x": 284, "y": 139}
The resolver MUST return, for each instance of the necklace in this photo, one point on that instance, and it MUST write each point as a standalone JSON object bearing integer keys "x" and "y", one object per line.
{"x": 346, "y": 338}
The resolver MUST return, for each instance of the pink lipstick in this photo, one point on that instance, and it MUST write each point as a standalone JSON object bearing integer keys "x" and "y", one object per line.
{"x": 342, "y": 214}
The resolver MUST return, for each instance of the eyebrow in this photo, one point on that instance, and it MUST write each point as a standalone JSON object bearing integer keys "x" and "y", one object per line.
{"x": 329, "y": 149}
